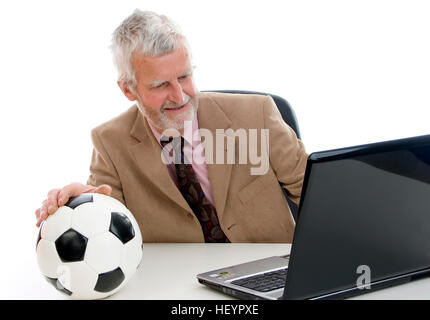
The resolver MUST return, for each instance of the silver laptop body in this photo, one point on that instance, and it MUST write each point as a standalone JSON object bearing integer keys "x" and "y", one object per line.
{"x": 228, "y": 280}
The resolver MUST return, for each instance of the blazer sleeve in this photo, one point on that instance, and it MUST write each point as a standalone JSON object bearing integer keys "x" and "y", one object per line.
{"x": 102, "y": 169}
{"x": 287, "y": 153}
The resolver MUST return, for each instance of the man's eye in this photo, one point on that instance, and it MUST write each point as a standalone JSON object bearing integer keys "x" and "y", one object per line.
{"x": 160, "y": 85}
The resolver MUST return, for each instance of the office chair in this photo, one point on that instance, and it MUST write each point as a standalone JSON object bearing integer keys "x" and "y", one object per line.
{"x": 289, "y": 116}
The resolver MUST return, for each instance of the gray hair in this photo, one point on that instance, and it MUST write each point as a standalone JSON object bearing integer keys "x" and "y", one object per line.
{"x": 146, "y": 32}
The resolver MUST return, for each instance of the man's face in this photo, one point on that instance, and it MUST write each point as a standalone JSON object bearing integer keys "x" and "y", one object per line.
{"x": 165, "y": 90}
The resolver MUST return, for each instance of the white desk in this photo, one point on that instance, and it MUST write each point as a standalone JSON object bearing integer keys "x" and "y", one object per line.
{"x": 168, "y": 272}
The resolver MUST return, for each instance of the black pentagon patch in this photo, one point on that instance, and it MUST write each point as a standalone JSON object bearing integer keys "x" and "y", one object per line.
{"x": 77, "y": 201}
{"x": 110, "y": 280}
{"x": 121, "y": 227}
{"x": 57, "y": 284}
{"x": 71, "y": 246}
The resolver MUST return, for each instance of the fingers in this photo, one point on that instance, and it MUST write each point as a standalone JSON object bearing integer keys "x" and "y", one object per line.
{"x": 41, "y": 214}
{"x": 49, "y": 206}
{"x": 37, "y": 213}
{"x": 59, "y": 197}
{"x": 51, "y": 202}
{"x": 72, "y": 190}
{"x": 103, "y": 189}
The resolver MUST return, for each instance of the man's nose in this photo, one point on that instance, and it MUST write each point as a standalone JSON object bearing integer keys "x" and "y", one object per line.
{"x": 176, "y": 93}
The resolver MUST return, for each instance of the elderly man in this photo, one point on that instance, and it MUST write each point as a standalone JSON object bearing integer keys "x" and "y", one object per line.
{"x": 212, "y": 194}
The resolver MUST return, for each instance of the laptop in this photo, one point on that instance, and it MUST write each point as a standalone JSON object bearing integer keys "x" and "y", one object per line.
{"x": 363, "y": 224}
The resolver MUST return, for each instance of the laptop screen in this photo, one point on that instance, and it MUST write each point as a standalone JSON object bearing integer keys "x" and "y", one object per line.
{"x": 363, "y": 210}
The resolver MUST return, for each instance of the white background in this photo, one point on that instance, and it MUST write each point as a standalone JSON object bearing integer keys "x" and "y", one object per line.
{"x": 354, "y": 71}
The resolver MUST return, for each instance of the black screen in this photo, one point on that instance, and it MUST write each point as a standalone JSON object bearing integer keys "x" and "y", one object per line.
{"x": 366, "y": 206}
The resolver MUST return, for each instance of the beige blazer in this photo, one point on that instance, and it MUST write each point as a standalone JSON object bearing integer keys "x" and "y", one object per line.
{"x": 251, "y": 208}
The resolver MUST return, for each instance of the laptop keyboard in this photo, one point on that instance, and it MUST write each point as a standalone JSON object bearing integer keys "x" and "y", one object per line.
{"x": 264, "y": 282}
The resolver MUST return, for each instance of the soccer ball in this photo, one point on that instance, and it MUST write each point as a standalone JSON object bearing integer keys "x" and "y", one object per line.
{"x": 90, "y": 247}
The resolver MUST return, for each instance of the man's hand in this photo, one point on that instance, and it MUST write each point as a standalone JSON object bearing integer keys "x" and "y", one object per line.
{"x": 59, "y": 197}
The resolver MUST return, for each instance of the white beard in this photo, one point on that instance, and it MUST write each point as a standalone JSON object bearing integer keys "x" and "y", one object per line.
{"x": 176, "y": 122}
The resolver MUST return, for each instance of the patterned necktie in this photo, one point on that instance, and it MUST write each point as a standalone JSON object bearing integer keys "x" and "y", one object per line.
{"x": 192, "y": 191}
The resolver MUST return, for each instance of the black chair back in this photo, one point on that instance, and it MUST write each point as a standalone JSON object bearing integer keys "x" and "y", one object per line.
{"x": 287, "y": 112}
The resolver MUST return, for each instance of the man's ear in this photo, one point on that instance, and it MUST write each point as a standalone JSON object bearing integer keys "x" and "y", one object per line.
{"x": 127, "y": 91}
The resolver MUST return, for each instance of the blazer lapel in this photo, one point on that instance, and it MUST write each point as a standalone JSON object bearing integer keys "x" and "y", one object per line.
{"x": 211, "y": 117}
{"x": 147, "y": 154}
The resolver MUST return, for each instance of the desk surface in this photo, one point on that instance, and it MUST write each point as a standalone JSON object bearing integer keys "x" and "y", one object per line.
{"x": 168, "y": 272}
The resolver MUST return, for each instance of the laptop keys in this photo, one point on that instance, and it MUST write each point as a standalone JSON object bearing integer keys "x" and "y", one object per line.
{"x": 264, "y": 282}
